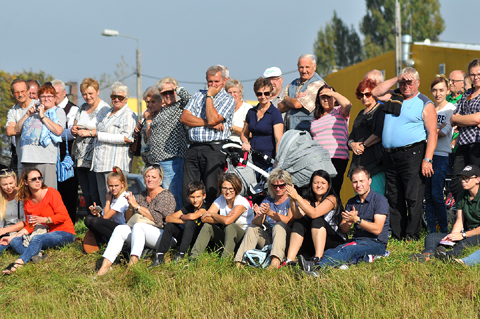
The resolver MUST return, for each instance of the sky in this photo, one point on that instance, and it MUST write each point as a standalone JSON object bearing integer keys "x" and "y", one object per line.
{"x": 181, "y": 38}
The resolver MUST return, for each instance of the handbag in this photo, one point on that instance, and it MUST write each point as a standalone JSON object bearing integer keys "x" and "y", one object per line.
{"x": 65, "y": 167}
{"x": 136, "y": 147}
{"x": 139, "y": 218}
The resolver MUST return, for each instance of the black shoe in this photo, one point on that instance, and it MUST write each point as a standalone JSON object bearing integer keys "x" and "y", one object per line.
{"x": 39, "y": 257}
{"x": 305, "y": 265}
{"x": 157, "y": 260}
{"x": 441, "y": 254}
{"x": 179, "y": 256}
{"x": 303, "y": 273}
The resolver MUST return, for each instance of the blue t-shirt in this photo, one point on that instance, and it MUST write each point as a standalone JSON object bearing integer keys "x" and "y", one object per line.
{"x": 408, "y": 127}
{"x": 263, "y": 138}
{"x": 281, "y": 209}
{"x": 372, "y": 205}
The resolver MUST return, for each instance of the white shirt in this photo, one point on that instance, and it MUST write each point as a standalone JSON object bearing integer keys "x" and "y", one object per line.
{"x": 120, "y": 205}
{"x": 70, "y": 119}
{"x": 239, "y": 120}
{"x": 243, "y": 220}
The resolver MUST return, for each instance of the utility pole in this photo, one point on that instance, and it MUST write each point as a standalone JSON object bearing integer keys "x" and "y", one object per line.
{"x": 398, "y": 39}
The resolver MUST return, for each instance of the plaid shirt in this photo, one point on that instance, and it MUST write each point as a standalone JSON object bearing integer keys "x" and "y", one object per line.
{"x": 308, "y": 101}
{"x": 225, "y": 106}
{"x": 469, "y": 134}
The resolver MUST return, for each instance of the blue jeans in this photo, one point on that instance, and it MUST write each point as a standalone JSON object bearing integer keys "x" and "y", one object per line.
{"x": 173, "y": 176}
{"x": 345, "y": 253}
{"x": 2, "y": 248}
{"x": 435, "y": 202}
{"x": 39, "y": 242}
{"x": 473, "y": 259}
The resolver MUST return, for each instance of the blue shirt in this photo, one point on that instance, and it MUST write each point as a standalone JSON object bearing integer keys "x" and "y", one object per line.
{"x": 281, "y": 209}
{"x": 408, "y": 127}
{"x": 263, "y": 138}
{"x": 374, "y": 204}
{"x": 225, "y": 106}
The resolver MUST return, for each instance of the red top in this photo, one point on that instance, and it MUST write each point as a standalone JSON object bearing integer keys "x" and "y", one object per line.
{"x": 50, "y": 206}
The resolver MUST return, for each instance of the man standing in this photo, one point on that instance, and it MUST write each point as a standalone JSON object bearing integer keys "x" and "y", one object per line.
{"x": 457, "y": 85}
{"x": 299, "y": 103}
{"x": 33, "y": 87}
{"x": 19, "y": 90}
{"x": 375, "y": 75}
{"x": 410, "y": 119}
{"x": 69, "y": 188}
{"x": 368, "y": 211}
{"x": 209, "y": 116}
{"x": 274, "y": 74}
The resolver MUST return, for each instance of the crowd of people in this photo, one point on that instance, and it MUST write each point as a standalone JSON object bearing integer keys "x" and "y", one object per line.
{"x": 403, "y": 146}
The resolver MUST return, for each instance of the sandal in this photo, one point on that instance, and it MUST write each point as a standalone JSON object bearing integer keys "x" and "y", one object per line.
{"x": 11, "y": 268}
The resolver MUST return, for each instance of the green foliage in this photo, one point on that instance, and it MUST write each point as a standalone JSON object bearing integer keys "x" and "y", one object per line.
{"x": 7, "y": 101}
{"x": 336, "y": 46}
{"x": 420, "y": 19}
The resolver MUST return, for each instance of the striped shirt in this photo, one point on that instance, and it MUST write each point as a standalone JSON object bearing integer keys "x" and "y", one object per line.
{"x": 225, "y": 106}
{"x": 469, "y": 134}
{"x": 331, "y": 132}
{"x": 109, "y": 154}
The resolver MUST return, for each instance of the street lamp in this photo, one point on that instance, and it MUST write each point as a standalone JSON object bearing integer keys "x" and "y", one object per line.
{"x": 115, "y": 33}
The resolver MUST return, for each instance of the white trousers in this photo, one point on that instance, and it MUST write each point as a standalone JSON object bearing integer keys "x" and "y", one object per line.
{"x": 139, "y": 236}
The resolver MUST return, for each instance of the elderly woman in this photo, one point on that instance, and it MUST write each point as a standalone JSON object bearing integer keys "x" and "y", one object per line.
{"x": 85, "y": 123}
{"x": 264, "y": 122}
{"x": 167, "y": 136}
{"x": 113, "y": 135}
{"x": 145, "y": 219}
{"x": 141, "y": 127}
{"x": 235, "y": 89}
{"x": 43, "y": 206}
{"x": 366, "y": 135}
{"x": 12, "y": 217}
{"x": 41, "y": 129}
{"x": 275, "y": 212}
{"x": 330, "y": 129}
{"x": 227, "y": 219}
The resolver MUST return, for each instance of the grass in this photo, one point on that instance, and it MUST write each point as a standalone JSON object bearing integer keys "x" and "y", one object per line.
{"x": 393, "y": 287}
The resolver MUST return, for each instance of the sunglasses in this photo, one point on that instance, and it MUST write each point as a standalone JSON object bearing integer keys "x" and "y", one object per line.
{"x": 262, "y": 93}
{"x": 165, "y": 93}
{"x": 119, "y": 97}
{"x": 6, "y": 171}
{"x": 155, "y": 165}
{"x": 38, "y": 178}
{"x": 366, "y": 95}
{"x": 281, "y": 186}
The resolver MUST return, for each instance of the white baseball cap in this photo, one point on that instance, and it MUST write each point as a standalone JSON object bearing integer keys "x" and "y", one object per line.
{"x": 272, "y": 72}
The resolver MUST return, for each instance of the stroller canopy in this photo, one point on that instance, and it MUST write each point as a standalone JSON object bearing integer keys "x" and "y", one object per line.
{"x": 299, "y": 155}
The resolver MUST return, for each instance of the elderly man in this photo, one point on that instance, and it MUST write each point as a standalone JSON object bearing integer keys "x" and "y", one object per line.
{"x": 209, "y": 116}
{"x": 457, "y": 85}
{"x": 33, "y": 87}
{"x": 368, "y": 212}
{"x": 19, "y": 90}
{"x": 410, "y": 120}
{"x": 301, "y": 94}
{"x": 375, "y": 75}
{"x": 274, "y": 74}
{"x": 69, "y": 188}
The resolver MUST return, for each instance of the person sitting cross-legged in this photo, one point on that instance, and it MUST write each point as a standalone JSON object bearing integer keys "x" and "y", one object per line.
{"x": 369, "y": 212}
{"x": 466, "y": 230}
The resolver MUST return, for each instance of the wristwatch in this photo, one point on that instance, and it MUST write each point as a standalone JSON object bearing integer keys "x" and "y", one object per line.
{"x": 136, "y": 209}
{"x": 210, "y": 96}
{"x": 91, "y": 133}
{"x": 358, "y": 222}
{"x": 427, "y": 160}
{"x": 464, "y": 235}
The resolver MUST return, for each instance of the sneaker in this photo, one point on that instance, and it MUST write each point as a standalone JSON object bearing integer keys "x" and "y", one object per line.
{"x": 305, "y": 265}
{"x": 158, "y": 259}
{"x": 441, "y": 254}
{"x": 303, "y": 273}
{"x": 39, "y": 257}
{"x": 420, "y": 257}
{"x": 288, "y": 263}
{"x": 179, "y": 256}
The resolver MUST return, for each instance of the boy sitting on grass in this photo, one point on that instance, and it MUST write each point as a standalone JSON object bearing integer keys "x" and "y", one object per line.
{"x": 183, "y": 225}
{"x": 466, "y": 230}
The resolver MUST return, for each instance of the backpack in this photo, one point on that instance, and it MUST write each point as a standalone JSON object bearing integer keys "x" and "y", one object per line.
{"x": 259, "y": 258}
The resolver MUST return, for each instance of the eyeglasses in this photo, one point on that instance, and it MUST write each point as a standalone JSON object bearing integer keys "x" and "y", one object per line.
{"x": 366, "y": 95}
{"x": 453, "y": 81}
{"x": 16, "y": 93}
{"x": 165, "y": 93}
{"x": 474, "y": 75}
{"x": 45, "y": 97}
{"x": 262, "y": 93}
{"x": 280, "y": 186}
{"x": 38, "y": 178}
{"x": 228, "y": 189}
{"x": 466, "y": 179}
{"x": 119, "y": 97}
{"x": 6, "y": 171}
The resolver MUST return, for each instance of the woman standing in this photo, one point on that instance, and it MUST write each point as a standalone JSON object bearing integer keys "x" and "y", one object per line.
{"x": 45, "y": 206}
{"x": 85, "y": 124}
{"x": 235, "y": 88}
{"x": 12, "y": 217}
{"x": 113, "y": 134}
{"x": 434, "y": 199}
{"x": 366, "y": 135}
{"x": 330, "y": 129}
{"x": 264, "y": 122}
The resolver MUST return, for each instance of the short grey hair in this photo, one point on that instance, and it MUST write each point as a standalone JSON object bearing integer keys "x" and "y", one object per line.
{"x": 234, "y": 83}
{"x": 161, "y": 83}
{"x": 411, "y": 70}
{"x": 58, "y": 82}
{"x": 375, "y": 75}
{"x": 308, "y": 56}
{"x": 215, "y": 69}
{"x": 276, "y": 175}
{"x": 118, "y": 87}
{"x": 227, "y": 73}
{"x": 149, "y": 91}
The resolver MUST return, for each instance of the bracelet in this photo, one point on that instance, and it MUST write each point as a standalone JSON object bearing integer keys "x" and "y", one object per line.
{"x": 41, "y": 119}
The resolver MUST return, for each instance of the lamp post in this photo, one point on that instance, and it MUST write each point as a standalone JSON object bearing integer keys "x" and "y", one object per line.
{"x": 115, "y": 33}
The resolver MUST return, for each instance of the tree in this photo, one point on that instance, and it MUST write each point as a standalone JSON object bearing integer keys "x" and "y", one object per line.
{"x": 7, "y": 101}
{"x": 337, "y": 46}
{"x": 420, "y": 19}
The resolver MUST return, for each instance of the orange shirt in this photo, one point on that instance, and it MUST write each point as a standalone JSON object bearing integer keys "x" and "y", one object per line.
{"x": 50, "y": 206}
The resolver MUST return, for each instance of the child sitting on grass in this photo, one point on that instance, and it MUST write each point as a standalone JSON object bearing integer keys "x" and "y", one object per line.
{"x": 183, "y": 225}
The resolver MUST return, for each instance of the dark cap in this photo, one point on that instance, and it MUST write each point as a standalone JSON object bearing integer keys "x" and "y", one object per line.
{"x": 470, "y": 170}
